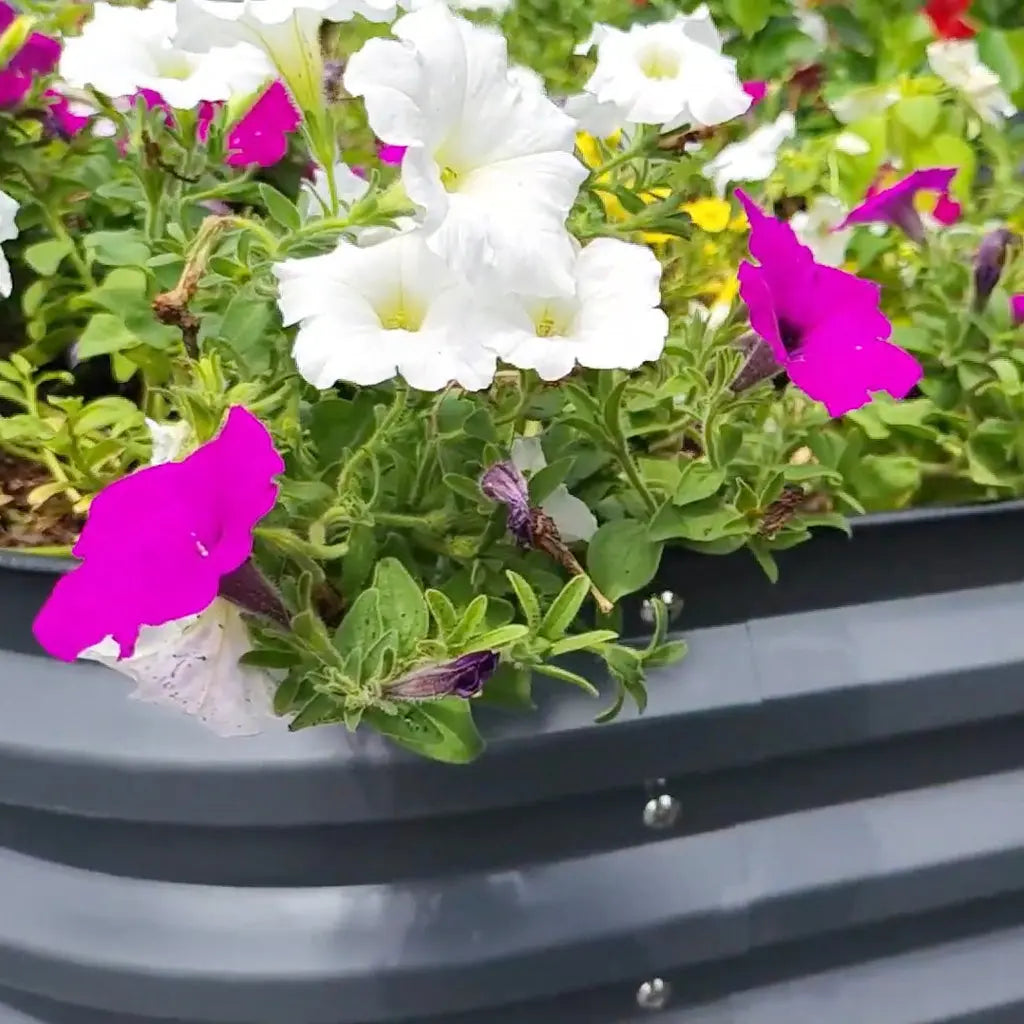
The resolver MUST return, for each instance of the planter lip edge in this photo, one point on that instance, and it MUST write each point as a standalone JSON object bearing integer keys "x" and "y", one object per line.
{"x": 361, "y": 786}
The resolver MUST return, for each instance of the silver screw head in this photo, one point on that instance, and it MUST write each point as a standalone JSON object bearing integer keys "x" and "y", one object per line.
{"x": 672, "y": 602}
{"x": 661, "y": 811}
{"x": 653, "y": 994}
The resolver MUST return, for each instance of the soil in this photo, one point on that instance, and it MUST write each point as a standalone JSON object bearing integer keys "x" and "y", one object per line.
{"x": 52, "y": 524}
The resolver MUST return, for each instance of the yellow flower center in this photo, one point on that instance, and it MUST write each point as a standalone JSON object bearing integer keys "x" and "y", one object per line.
{"x": 401, "y": 314}
{"x": 450, "y": 179}
{"x": 658, "y": 63}
{"x": 546, "y": 326}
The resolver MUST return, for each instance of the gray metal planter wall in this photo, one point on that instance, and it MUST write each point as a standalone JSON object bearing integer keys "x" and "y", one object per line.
{"x": 820, "y": 820}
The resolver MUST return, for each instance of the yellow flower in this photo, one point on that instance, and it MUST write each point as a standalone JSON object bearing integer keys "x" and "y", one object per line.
{"x": 711, "y": 215}
{"x": 722, "y": 292}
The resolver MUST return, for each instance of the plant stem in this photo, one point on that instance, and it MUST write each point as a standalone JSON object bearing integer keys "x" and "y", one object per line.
{"x": 56, "y": 225}
{"x": 629, "y": 467}
{"x": 398, "y": 405}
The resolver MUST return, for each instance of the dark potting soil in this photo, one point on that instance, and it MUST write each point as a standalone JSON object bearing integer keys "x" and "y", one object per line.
{"x": 52, "y": 524}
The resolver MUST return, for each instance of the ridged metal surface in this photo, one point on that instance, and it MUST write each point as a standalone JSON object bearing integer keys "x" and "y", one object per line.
{"x": 818, "y": 819}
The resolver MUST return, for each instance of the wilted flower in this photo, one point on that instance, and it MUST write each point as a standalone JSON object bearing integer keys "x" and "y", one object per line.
{"x": 488, "y": 162}
{"x": 571, "y": 516}
{"x": 366, "y": 314}
{"x": 123, "y": 50}
{"x": 671, "y": 73}
{"x": 504, "y": 482}
{"x": 958, "y": 63}
{"x": 824, "y": 326}
{"x": 989, "y": 261}
{"x": 753, "y": 158}
{"x": 817, "y": 227}
{"x": 462, "y": 677}
{"x": 947, "y": 18}
{"x": 611, "y": 321}
{"x": 895, "y": 205}
{"x": 191, "y": 665}
{"x": 8, "y": 232}
{"x": 158, "y": 542}
{"x": 37, "y": 55}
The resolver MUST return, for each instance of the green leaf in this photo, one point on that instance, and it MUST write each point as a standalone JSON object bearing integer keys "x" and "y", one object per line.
{"x": 244, "y": 324}
{"x": 919, "y": 114}
{"x": 402, "y": 605}
{"x": 318, "y": 711}
{"x": 563, "y": 610}
{"x": 470, "y": 623}
{"x": 286, "y": 694}
{"x": 509, "y": 688}
{"x": 527, "y": 599}
{"x": 340, "y": 423}
{"x": 362, "y": 624}
{"x": 442, "y": 610}
{"x": 279, "y": 207}
{"x": 105, "y": 333}
{"x": 725, "y": 444}
{"x": 622, "y": 558}
{"x": 270, "y": 658}
{"x": 495, "y": 639}
{"x": 464, "y": 486}
{"x": 117, "y": 248}
{"x": 666, "y": 654}
{"x": 996, "y": 50}
{"x": 750, "y": 15}
{"x": 612, "y": 411}
{"x": 45, "y": 257}
{"x": 699, "y": 480}
{"x": 565, "y": 676}
{"x": 545, "y": 480}
{"x": 442, "y": 730}
{"x": 701, "y": 525}
{"x": 360, "y": 558}
{"x": 582, "y": 641}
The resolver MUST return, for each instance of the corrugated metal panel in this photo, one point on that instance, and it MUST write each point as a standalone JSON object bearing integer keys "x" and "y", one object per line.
{"x": 839, "y": 841}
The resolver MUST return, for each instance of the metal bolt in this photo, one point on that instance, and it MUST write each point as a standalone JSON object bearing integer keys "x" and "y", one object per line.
{"x": 661, "y": 811}
{"x": 653, "y": 994}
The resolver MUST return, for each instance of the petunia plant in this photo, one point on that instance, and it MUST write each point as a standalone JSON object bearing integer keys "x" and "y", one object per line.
{"x": 416, "y": 338}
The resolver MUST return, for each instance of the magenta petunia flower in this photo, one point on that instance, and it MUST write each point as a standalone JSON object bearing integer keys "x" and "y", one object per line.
{"x": 895, "y": 205}
{"x": 158, "y": 542}
{"x": 261, "y": 137}
{"x": 38, "y": 55}
{"x": 1017, "y": 309}
{"x": 391, "y": 155}
{"x": 756, "y": 90}
{"x": 62, "y": 118}
{"x": 947, "y": 210}
{"x": 824, "y": 326}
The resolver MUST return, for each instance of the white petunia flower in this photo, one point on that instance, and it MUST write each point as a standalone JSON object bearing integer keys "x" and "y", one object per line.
{"x": 956, "y": 62}
{"x": 815, "y": 227}
{"x": 495, "y": 6}
{"x": 365, "y": 314}
{"x": 671, "y": 73}
{"x": 593, "y": 117}
{"x": 571, "y": 516}
{"x": 123, "y": 49}
{"x": 863, "y": 102}
{"x": 753, "y": 158}
{"x": 612, "y": 320}
{"x": 191, "y": 665}
{"x": 811, "y": 23}
{"x": 489, "y": 163}
{"x": 287, "y": 31}
{"x": 8, "y": 232}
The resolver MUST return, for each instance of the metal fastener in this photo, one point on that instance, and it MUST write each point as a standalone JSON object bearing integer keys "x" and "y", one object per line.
{"x": 661, "y": 811}
{"x": 653, "y": 994}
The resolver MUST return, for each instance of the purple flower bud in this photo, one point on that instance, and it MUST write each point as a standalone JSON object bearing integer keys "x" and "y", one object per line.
{"x": 759, "y": 363}
{"x": 505, "y": 483}
{"x": 333, "y": 72}
{"x": 248, "y": 588}
{"x": 463, "y": 677}
{"x": 989, "y": 261}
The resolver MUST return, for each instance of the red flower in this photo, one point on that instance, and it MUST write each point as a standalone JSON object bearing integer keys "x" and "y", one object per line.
{"x": 947, "y": 18}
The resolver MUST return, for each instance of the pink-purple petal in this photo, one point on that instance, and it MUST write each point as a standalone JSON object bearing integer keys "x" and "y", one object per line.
{"x": 261, "y": 136}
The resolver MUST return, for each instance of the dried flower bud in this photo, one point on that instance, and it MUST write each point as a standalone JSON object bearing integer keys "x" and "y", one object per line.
{"x": 988, "y": 264}
{"x": 759, "y": 363}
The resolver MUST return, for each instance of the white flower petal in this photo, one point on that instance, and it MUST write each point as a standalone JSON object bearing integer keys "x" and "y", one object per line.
{"x": 754, "y": 158}
{"x": 191, "y": 665}
{"x": 8, "y": 231}
{"x": 852, "y": 144}
{"x": 669, "y": 73}
{"x": 315, "y": 195}
{"x": 490, "y": 160}
{"x": 123, "y": 49}
{"x": 958, "y": 63}
{"x": 816, "y": 229}
{"x": 572, "y": 517}
{"x": 169, "y": 440}
{"x": 368, "y": 313}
